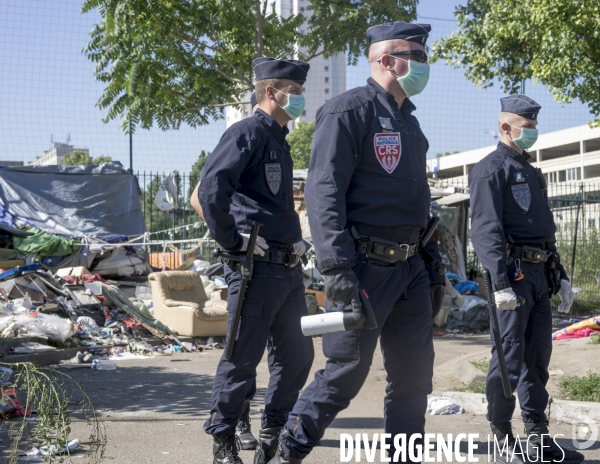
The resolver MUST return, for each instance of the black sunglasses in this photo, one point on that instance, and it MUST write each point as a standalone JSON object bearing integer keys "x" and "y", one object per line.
{"x": 418, "y": 55}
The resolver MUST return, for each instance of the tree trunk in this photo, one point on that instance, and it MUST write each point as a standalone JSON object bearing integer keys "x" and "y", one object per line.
{"x": 260, "y": 21}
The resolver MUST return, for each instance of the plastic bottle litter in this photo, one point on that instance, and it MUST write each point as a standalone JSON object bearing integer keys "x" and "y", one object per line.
{"x": 103, "y": 365}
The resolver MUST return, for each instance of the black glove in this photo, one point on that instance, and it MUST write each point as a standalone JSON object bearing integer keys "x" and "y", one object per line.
{"x": 437, "y": 297}
{"x": 341, "y": 288}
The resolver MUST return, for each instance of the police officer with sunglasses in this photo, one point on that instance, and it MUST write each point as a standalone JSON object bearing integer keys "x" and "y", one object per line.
{"x": 368, "y": 199}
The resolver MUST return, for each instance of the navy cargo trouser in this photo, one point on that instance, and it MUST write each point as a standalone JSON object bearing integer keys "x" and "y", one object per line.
{"x": 401, "y": 300}
{"x": 527, "y": 343}
{"x": 273, "y": 306}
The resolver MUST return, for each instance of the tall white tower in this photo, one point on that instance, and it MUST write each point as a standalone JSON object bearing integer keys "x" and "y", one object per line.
{"x": 326, "y": 78}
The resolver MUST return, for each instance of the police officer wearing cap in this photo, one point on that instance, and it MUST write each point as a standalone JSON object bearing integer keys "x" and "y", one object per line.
{"x": 248, "y": 179}
{"x": 368, "y": 202}
{"x": 513, "y": 233}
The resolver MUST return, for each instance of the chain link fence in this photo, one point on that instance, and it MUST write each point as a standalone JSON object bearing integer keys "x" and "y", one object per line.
{"x": 576, "y": 209}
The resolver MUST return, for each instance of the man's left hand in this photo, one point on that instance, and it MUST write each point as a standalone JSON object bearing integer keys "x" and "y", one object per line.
{"x": 566, "y": 297}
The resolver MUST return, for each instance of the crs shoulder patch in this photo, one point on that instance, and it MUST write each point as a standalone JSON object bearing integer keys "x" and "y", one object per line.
{"x": 522, "y": 196}
{"x": 388, "y": 150}
{"x": 273, "y": 175}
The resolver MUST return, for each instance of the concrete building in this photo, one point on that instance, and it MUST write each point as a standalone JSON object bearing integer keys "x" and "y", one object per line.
{"x": 11, "y": 164}
{"x": 326, "y": 78}
{"x": 566, "y": 156}
{"x": 55, "y": 155}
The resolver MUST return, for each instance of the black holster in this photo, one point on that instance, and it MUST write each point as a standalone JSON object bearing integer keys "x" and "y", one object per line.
{"x": 552, "y": 273}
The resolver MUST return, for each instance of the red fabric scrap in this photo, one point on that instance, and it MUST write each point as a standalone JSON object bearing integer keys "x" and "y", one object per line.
{"x": 85, "y": 278}
{"x": 9, "y": 395}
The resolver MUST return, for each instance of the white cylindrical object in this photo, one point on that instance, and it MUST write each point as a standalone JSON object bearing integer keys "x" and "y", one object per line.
{"x": 322, "y": 323}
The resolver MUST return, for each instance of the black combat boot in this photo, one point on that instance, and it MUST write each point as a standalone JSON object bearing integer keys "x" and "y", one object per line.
{"x": 267, "y": 445}
{"x": 536, "y": 432}
{"x": 225, "y": 450}
{"x": 243, "y": 431}
{"x": 281, "y": 458}
{"x": 506, "y": 442}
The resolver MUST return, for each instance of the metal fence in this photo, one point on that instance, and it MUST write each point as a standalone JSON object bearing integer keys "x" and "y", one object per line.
{"x": 576, "y": 209}
{"x": 575, "y": 205}
{"x": 177, "y": 227}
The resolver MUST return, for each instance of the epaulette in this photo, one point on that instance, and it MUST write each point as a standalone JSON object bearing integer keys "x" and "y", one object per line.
{"x": 348, "y": 101}
{"x": 489, "y": 165}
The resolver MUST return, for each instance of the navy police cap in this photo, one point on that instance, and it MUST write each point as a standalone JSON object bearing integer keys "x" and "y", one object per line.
{"x": 399, "y": 30}
{"x": 253, "y": 100}
{"x": 271, "y": 68}
{"x": 521, "y": 105}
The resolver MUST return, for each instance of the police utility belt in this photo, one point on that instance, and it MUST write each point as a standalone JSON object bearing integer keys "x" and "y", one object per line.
{"x": 527, "y": 254}
{"x": 385, "y": 250}
{"x": 286, "y": 258}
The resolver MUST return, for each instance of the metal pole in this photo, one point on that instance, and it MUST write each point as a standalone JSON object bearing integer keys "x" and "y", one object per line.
{"x": 575, "y": 237}
{"x": 523, "y": 86}
{"x": 130, "y": 147}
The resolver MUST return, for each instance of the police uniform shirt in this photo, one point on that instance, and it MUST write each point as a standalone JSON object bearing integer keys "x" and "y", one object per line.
{"x": 368, "y": 165}
{"x": 247, "y": 179}
{"x": 507, "y": 199}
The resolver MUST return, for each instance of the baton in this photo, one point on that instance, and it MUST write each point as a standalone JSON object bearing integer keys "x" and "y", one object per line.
{"x": 487, "y": 279}
{"x": 429, "y": 230}
{"x": 246, "y": 269}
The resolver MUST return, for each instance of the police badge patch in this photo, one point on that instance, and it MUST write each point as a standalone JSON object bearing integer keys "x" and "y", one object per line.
{"x": 519, "y": 177}
{"x": 273, "y": 174}
{"x": 522, "y": 196}
{"x": 388, "y": 150}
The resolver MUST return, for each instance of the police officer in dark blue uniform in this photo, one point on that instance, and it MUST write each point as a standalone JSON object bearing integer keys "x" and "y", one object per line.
{"x": 368, "y": 202}
{"x": 513, "y": 233}
{"x": 248, "y": 179}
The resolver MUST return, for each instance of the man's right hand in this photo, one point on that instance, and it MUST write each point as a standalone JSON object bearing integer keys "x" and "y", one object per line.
{"x": 341, "y": 287}
{"x": 259, "y": 248}
{"x": 506, "y": 299}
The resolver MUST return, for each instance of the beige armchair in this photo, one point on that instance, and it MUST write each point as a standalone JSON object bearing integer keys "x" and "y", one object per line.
{"x": 180, "y": 303}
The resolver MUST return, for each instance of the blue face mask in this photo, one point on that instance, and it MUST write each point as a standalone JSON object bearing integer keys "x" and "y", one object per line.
{"x": 527, "y": 139}
{"x": 295, "y": 105}
{"x": 416, "y": 78}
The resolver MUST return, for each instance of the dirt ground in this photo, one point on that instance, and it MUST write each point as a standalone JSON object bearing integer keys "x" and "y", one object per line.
{"x": 569, "y": 357}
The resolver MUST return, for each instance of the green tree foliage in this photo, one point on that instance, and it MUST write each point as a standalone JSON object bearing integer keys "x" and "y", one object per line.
{"x": 553, "y": 42}
{"x": 301, "y": 140}
{"x": 174, "y": 62}
{"x": 195, "y": 173}
{"x": 82, "y": 158}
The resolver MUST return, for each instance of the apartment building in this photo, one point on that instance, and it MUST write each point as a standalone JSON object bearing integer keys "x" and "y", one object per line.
{"x": 566, "y": 156}
{"x": 55, "y": 155}
{"x": 326, "y": 78}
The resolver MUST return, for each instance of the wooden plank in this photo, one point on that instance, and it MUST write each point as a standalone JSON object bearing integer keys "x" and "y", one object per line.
{"x": 319, "y": 294}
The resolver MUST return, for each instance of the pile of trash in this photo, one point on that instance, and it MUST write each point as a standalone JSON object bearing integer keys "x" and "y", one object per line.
{"x": 71, "y": 271}
{"x": 462, "y": 310}
{"x": 77, "y": 310}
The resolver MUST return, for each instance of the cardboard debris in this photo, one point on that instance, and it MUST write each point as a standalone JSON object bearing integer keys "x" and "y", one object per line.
{"x": 75, "y": 271}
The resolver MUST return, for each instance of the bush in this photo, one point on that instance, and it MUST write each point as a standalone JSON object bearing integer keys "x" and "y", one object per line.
{"x": 581, "y": 388}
